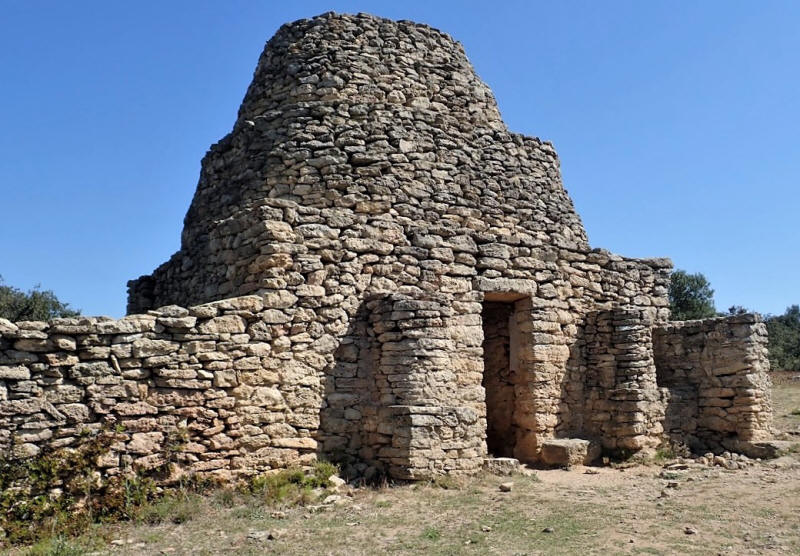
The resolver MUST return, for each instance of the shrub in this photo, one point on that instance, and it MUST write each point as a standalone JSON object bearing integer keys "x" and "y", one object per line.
{"x": 291, "y": 486}
{"x": 59, "y": 493}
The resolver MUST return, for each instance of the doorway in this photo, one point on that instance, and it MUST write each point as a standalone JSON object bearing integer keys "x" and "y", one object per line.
{"x": 499, "y": 362}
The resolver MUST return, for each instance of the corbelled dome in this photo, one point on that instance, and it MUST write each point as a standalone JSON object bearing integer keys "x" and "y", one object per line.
{"x": 369, "y": 123}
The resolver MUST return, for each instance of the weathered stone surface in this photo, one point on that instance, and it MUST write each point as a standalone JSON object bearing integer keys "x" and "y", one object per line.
{"x": 501, "y": 466}
{"x": 569, "y": 451}
{"x": 18, "y": 372}
{"x": 145, "y": 442}
{"x": 387, "y": 273}
{"x": 232, "y": 324}
{"x": 147, "y": 348}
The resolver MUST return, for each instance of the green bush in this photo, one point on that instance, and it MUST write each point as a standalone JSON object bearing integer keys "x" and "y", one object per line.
{"x": 291, "y": 486}
{"x": 59, "y": 493}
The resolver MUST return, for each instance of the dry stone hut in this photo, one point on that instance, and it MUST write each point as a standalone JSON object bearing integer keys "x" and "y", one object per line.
{"x": 377, "y": 270}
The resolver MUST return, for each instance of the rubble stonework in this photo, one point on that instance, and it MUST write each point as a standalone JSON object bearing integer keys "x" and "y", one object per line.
{"x": 370, "y": 260}
{"x": 713, "y": 380}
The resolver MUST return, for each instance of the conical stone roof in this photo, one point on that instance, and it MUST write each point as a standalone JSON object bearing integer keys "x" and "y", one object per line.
{"x": 359, "y": 135}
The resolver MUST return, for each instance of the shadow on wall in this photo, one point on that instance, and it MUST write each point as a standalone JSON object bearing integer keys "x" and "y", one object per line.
{"x": 350, "y": 398}
{"x": 358, "y": 428}
{"x": 403, "y": 395}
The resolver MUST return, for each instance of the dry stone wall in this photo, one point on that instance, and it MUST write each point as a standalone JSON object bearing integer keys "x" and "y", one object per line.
{"x": 622, "y": 405}
{"x": 344, "y": 244}
{"x": 367, "y": 156}
{"x": 212, "y": 383}
{"x": 382, "y": 173}
{"x": 714, "y": 378}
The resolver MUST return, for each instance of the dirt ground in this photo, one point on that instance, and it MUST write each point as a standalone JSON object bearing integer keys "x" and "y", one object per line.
{"x": 642, "y": 509}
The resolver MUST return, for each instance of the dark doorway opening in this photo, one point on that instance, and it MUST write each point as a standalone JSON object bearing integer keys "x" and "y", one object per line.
{"x": 499, "y": 354}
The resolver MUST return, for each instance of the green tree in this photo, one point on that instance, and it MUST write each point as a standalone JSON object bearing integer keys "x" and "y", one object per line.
{"x": 735, "y": 310}
{"x": 35, "y": 304}
{"x": 690, "y": 296}
{"x": 784, "y": 340}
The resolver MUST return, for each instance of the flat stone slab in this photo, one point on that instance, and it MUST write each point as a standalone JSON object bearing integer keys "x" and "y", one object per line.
{"x": 569, "y": 451}
{"x": 501, "y": 466}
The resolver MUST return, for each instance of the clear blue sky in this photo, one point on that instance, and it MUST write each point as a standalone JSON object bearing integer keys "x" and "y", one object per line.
{"x": 677, "y": 123}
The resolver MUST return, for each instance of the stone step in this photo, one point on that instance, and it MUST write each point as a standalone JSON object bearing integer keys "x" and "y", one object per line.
{"x": 569, "y": 451}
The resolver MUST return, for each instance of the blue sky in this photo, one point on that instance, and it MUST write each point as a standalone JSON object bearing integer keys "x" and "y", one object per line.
{"x": 677, "y": 123}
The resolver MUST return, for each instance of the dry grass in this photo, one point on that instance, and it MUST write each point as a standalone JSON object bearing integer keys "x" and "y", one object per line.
{"x": 786, "y": 401}
{"x": 617, "y": 511}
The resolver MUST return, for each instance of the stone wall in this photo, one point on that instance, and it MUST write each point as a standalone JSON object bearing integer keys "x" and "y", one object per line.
{"x": 382, "y": 166}
{"x": 212, "y": 383}
{"x": 622, "y": 405}
{"x": 244, "y": 385}
{"x": 384, "y": 173}
{"x": 238, "y": 386}
{"x": 426, "y": 387}
{"x": 714, "y": 379}
{"x": 346, "y": 237}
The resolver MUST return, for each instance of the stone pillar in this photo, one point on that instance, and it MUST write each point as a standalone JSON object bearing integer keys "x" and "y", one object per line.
{"x": 636, "y": 410}
{"x": 425, "y": 426}
{"x": 542, "y": 365}
{"x": 623, "y": 406}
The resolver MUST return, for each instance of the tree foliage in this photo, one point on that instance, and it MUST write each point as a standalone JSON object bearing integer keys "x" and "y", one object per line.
{"x": 35, "y": 304}
{"x": 736, "y": 310}
{"x": 784, "y": 340}
{"x": 690, "y": 296}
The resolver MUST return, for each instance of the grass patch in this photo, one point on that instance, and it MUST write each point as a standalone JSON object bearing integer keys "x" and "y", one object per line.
{"x": 446, "y": 482}
{"x": 431, "y": 533}
{"x": 291, "y": 487}
{"x": 669, "y": 451}
{"x": 56, "y": 546}
{"x": 174, "y": 508}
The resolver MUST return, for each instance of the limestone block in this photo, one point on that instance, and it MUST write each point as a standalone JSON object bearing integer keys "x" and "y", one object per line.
{"x": 280, "y": 299}
{"x": 274, "y": 316}
{"x": 232, "y": 324}
{"x": 264, "y": 396}
{"x": 34, "y": 345}
{"x": 17, "y": 372}
{"x": 297, "y": 443}
{"x": 145, "y": 347}
{"x": 7, "y": 328}
{"x": 127, "y": 325}
{"x": 225, "y": 379}
{"x": 145, "y": 442}
{"x": 185, "y": 322}
{"x": 66, "y": 343}
{"x": 75, "y": 412}
{"x": 569, "y": 451}
{"x": 64, "y": 394}
{"x": 134, "y": 409}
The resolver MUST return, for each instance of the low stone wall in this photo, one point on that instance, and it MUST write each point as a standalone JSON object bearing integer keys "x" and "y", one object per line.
{"x": 244, "y": 385}
{"x": 713, "y": 377}
{"x": 208, "y": 384}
